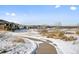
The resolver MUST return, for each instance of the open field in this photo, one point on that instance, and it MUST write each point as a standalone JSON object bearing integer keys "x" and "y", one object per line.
{"x": 20, "y": 42}
{"x": 62, "y": 47}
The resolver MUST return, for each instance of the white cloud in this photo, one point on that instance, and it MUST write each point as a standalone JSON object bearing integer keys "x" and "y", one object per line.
{"x": 10, "y": 14}
{"x": 73, "y": 8}
{"x": 13, "y": 14}
{"x": 57, "y": 6}
{"x": 7, "y": 14}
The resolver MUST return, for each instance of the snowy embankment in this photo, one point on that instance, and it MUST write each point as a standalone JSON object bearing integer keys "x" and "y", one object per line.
{"x": 10, "y": 45}
{"x": 62, "y": 47}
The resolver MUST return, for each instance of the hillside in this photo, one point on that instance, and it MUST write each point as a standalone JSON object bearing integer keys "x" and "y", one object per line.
{"x": 10, "y": 26}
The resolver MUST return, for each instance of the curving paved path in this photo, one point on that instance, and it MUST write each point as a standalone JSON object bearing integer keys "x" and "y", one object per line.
{"x": 45, "y": 48}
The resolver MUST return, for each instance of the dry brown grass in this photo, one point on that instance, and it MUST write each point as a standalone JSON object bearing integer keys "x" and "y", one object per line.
{"x": 57, "y": 34}
{"x": 70, "y": 38}
{"x": 19, "y": 40}
{"x": 77, "y": 32}
{"x": 44, "y": 32}
{"x": 2, "y": 30}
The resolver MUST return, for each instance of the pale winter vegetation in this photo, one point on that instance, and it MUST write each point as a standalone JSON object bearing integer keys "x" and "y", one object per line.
{"x": 56, "y": 34}
{"x": 77, "y": 32}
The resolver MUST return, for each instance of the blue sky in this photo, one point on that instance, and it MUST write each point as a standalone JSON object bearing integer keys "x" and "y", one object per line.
{"x": 40, "y": 14}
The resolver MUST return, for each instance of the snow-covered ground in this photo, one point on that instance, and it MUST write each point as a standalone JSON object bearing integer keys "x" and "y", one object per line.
{"x": 62, "y": 47}
{"x": 30, "y": 46}
{"x": 8, "y": 46}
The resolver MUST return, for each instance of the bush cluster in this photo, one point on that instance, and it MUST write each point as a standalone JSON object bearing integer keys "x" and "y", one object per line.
{"x": 57, "y": 34}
